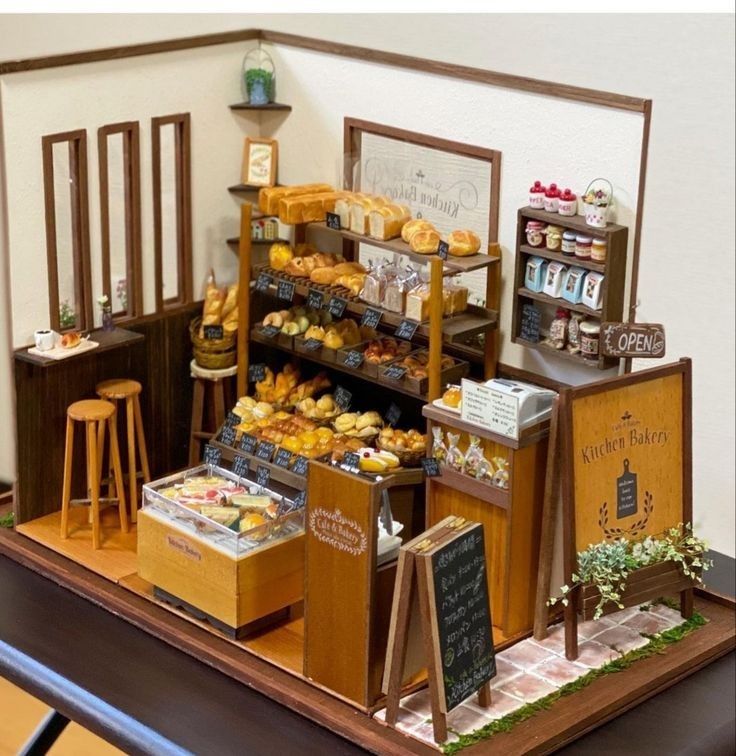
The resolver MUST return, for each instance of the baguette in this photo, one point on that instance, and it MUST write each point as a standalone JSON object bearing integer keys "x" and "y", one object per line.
{"x": 269, "y": 197}
{"x": 463, "y": 243}
{"x": 386, "y": 222}
{"x": 307, "y": 208}
{"x": 359, "y": 210}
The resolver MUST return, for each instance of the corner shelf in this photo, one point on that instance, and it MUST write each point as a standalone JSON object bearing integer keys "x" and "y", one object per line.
{"x": 234, "y": 241}
{"x": 243, "y": 188}
{"x": 268, "y": 106}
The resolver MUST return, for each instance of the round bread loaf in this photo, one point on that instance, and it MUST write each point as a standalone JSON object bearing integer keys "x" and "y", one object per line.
{"x": 425, "y": 242}
{"x": 412, "y": 226}
{"x": 463, "y": 243}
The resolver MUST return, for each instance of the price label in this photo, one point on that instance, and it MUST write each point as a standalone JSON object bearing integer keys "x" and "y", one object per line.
{"x": 300, "y": 465}
{"x": 393, "y": 413}
{"x": 270, "y": 331}
{"x": 282, "y": 458}
{"x": 300, "y": 500}
{"x": 263, "y": 282}
{"x": 351, "y": 459}
{"x": 394, "y": 373}
{"x": 248, "y": 443}
{"x": 315, "y": 299}
{"x": 256, "y": 372}
{"x": 371, "y": 318}
{"x": 431, "y": 467}
{"x": 232, "y": 419}
{"x": 240, "y": 466}
{"x": 353, "y": 359}
{"x": 264, "y": 450}
{"x": 212, "y": 455}
{"x": 312, "y": 345}
{"x": 212, "y": 332}
{"x": 285, "y": 290}
{"x": 336, "y": 306}
{"x": 342, "y": 398}
{"x": 263, "y": 476}
{"x": 406, "y": 330}
{"x": 227, "y": 435}
{"x": 333, "y": 221}
{"x": 442, "y": 249}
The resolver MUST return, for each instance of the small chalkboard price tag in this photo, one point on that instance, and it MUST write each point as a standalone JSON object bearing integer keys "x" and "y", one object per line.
{"x": 300, "y": 500}
{"x": 285, "y": 290}
{"x": 212, "y": 332}
{"x": 270, "y": 331}
{"x": 212, "y": 455}
{"x": 263, "y": 476}
{"x": 256, "y": 372}
{"x": 232, "y": 419}
{"x": 431, "y": 467}
{"x": 282, "y": 458}
{"x": 394, "y": 373}
{"x": 312, "y": 345}
{"x": 353, "y": 359}
{"x": 315, "y": 299}
{"x": 371, "y": 318}
{"x": 333, "y": 221}
{"x": 263, "y": 282}
{"x": 336, "y": 306}
{"x": 248, "y": 443}
{"x": 393, "y": 413}
{"x": 300, "y": 465}
{"x": 264, "y": 450}
{"x": 240, "y": 466}
{"x": 351, "y": 460}
{"x": 531, "y": 318}
{"x": 406, "y": 330}
{"x": 227, "y": 435}
{"x": 342, "y": 398}
{"x": 442, "y": 249}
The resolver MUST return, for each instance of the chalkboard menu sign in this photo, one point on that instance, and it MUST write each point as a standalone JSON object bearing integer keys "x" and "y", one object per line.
{"x": 342, "y": 398}
{"x": 212, "y": 455}
{"x": 300, "y": 500}
{"x": 240, "y": 466}
{"x": 457, "y": 580}
{"x": 393, "y": 413}
{"x": 333, "y": 221}
{"x": 232, "y": 419}
{"x": 394, "y": 373}
{"x": 263, "y": 476}
{"x": 248, "y": 443}
{"x": 282, "y": 458}
{"x": 256, "y": 372}
{"x": 264, "y": 450}
{"x": 371, "y": 318}
{"x": 212, "y": 332}
{"x": 353, "y": 359}
{"x": 227, "y": 435}
{"x": 270, "y": 331}
{"x": 315, "y": 299}
{"x": 312, "y": 345}
{"x": 300, "y": 465}
{"x": 531, "y": 318}
{"x": 285, "y": 290}
{"x": 406, "y": 330}
{"x": 336, "y": 306}
{"x": 351, "y": 460}
{"x": 442, "y": 249}
{"x": 431, "y": 467}
{"x": 263, "y": 282}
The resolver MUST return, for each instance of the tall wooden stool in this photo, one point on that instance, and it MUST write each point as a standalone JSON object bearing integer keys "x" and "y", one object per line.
{"x": 217, "y": 382}
{"x": 119, "y": 389}
{"x": 94, "y": 413}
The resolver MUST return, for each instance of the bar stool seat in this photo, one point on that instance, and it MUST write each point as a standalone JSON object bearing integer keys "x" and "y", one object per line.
{"x": 119, "y": 389}
{"x": 95, "y": 414}
{"x": 217, "y": 382}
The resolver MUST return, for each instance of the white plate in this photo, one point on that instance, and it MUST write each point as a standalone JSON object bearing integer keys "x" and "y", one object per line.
{"x": 439, "y": 403}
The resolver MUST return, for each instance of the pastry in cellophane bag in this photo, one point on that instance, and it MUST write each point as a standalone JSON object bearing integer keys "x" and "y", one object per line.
{"x": 455, "y": 458}
{"x": 501, "y": 476}
{"x": 473, "y": 457}
{"x": 439, "y": 450}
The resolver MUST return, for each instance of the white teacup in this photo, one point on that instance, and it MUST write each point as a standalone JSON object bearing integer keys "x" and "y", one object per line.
{"x": 45, "y": 339}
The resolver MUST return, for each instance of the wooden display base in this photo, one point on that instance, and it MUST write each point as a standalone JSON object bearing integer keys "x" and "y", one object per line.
{"x": 568, "y": 719}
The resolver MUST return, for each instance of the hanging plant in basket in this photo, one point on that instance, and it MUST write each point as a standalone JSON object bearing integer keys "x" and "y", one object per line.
{"x": 607, "y": 571}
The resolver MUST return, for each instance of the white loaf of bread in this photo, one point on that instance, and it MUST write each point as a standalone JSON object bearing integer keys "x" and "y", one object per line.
{"x": 359, "y": 210}
{"x": 342, "y": 207}
{"x": 386, "y": 222}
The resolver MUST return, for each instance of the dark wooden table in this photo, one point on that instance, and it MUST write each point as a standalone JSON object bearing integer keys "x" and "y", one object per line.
{"x": 146, "y": 697}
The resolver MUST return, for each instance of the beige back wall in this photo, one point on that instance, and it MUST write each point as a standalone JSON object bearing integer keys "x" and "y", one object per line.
{"x": 687, "y": 268}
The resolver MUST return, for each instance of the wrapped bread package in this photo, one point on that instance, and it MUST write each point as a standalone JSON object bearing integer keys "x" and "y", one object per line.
{"x": 308, "y": 208}
{"x": 360, "y": 209}
{"x": 386, "y": 222}
{"x": 417, "y": 303}
{"x": 269, "y": 197}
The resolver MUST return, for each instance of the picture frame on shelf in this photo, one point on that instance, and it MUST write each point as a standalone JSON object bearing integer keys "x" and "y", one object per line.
{"x": 260, "y": 161}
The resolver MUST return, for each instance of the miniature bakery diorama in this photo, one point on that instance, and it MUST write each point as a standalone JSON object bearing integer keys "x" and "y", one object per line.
{"x": 392, "y": 404}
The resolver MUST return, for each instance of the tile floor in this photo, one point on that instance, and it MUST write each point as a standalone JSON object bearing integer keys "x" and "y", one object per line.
{"x": 532, "y": 669}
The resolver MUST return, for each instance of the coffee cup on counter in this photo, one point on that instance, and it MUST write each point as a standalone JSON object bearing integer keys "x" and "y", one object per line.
{"x": 45, "y": 339}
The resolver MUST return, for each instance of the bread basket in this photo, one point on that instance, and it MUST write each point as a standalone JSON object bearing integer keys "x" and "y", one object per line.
{"x": 213, "y": 354}
{"x": 407, "y": 457}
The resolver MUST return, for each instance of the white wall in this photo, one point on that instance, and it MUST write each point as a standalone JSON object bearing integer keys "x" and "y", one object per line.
{"x": 687, "y": 265}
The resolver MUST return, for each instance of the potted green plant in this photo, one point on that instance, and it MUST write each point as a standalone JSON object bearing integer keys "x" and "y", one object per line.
{"x": 259, "y": 77}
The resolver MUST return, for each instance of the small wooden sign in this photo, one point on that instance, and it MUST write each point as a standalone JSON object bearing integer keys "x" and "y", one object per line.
{"x": 263, "y": 476}
{"x": 353, "y": 359}
{"x": 431, "y": 467}
{"x": 351, "y": 460}
{"x": 336, "y": 306}
{"x": 312, "y": 345}
{"x": 371, "y": 318}
{"x": 300, "y": 466}
{"x": 213, "y": 332}
{"x": 264, "y": 450}
{"x": 227, "y": 435}
{"x": 442, "y": 249}
{"x": 232, "y": 419}
{"x": 394, "y": 373}
{"x": 270, "y": 331}
{"x": 531, "y": 319}
{"x": 342, "y": 398}
{"x": 282, "y": 458}
{"x": 212, "y": 455}
{"x": 256, "y": 372}
{"x": 643, "y": 340}
{"x": 285, "y": 290}
{"x": 333, "y": 221}
{"x": 315, "y": 299}
{"x": 263, "y": 282}
{"x": 406, "y": 330}
{"x": 240, "y": 466}
{"x": 248, "y": 443}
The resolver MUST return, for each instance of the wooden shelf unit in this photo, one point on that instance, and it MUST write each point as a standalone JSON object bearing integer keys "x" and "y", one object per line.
{"x": 614, "y": 283}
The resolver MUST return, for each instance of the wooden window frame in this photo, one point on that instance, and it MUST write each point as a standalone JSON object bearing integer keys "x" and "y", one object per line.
{"x": 182, "y": 149}
{"x": 78, "y": 188}
{"x": 130, "y": 131}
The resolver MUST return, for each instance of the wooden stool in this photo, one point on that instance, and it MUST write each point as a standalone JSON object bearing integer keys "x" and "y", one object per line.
{"x": 216, "y": 378}
{"x": 118, "y": 389}
{"x": 94, "y": 413}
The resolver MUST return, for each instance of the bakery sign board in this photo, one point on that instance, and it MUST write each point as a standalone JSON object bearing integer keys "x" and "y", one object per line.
{"x": 632, "y": 340}
{"x": 627, "y": 467}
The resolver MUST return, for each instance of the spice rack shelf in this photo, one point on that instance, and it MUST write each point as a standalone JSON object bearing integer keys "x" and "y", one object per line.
{"x": 614, "y": 282}
{"x": 268, "y": 106}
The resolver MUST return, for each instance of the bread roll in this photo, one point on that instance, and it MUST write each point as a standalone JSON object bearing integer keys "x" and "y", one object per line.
{"x": 269, "y": 197}
{"x": 324, "y": 275}
{"x": 387, "y": 222}
{"x": 425, "y": 242}
{"x": 359, "y": 210}
{"x": 463, "y": 243}
{"x": 307, "y": 208}
{"x": 296, "y": 267}
{"x": 348, "y": 268}
{"x": 342, "y": 207}
{"x": 412, "y": 226}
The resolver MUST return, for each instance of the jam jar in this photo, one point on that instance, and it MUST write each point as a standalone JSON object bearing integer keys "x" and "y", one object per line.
{"x": 598, "y": 250}
{"x": 554, "y": 237}
{"x": 583, "y": 245}
{"x": 590, "y": 332}
{"x": 535, "y": 233}
{"x": 568, "y": 243}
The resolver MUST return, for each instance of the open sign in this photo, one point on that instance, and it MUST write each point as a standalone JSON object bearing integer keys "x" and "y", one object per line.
{"x": 632, "y": 340}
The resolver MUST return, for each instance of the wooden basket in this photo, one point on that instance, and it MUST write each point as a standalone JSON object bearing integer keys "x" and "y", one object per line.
{"x": 213, "y": 354}
{"x": 407, "y": 458}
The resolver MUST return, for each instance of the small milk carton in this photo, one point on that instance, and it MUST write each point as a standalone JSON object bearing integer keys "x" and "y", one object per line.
{"x": 534, "y": 274}
{"x": 553, "y": 279}
{"x": 572, "y": 286}
{"x": 593, "y": 290}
